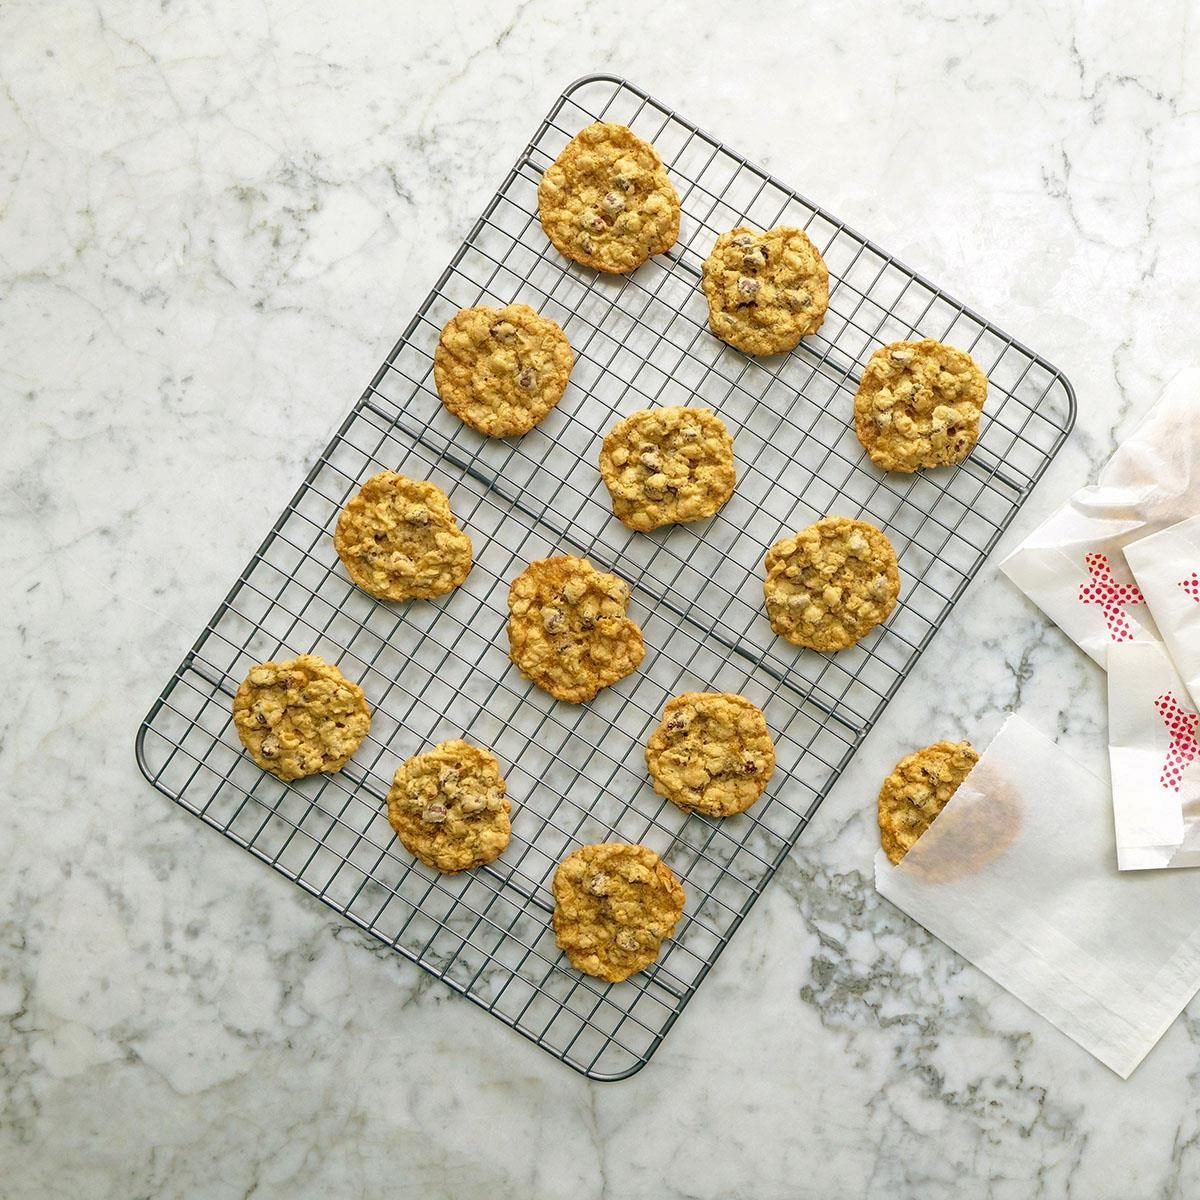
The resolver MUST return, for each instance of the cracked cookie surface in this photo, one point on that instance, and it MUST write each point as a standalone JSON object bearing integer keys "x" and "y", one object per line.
{"x": 712, "y": 753}
{"x": 448, "y": 807}
{"x": 606, "y": 201}
{"x": 831, "y": 583}
{"x": 567, "y": 628}
{"x": 614, "y": 906}
{"x": 398, "y": 539}
{"x": 918, "y": 405}
{"x": 667, "y": 465}
{"x": 501, "y": 370}
{"x": 765, "y": 290}
{"x": 918, "y": 788}
{"x": 300, "y": 717}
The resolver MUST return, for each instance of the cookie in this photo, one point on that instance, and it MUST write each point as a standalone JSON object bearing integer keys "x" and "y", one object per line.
{"x": 501, "y": 370}
{"x": 614, "y": 906}
{"x": 398, "y": 539}
{"x": 606, "y": 201}
{"x": 831, "y": 583}
{"x": 712, "y": 753}
{"x": 765, "y": 290}
{"x": 666, "y": 465}
{"x": 977, "y": 830}
{"x": 918, "y": 788}
{"x": 567, "y": 628}
{"x": 918, "y": 405}
{"x": 300, "y": 717}
{"x": 448, "y": 807}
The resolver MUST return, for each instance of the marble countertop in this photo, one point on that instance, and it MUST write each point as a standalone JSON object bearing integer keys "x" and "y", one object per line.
{"x": 214, "y": 220}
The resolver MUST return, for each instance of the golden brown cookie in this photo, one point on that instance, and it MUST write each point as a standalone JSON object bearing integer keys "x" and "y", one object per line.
{"x": 765, "y": 290}
{"x": 918, "y": 405}
{"x": 398, "y": 539}
{"x": 567, "y": 628}
{"x": 970, "y": 836}
{"x": 614, "y": 906}
{"x": 448, "y": 807}
{"x": 918, "y": 788}
{"x": 606, "y": 200}
{"x": 665, "y": 465}
{"x": 831, "y": 583}
{"x": 300, "y": 717}
{"x": 712, "y": 753}
{"x": 501, "y": 370}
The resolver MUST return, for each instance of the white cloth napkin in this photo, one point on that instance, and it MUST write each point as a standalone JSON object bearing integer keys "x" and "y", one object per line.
{"x": 1018, "y": 875}
{"x": 1154, "y": 758}
{"x": 1073, "y": 567}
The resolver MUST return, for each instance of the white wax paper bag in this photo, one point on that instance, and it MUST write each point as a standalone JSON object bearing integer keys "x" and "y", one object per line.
{"x": 1152, "y": 755}
{"x": 1072, "y": 565}
{"x": 1166, "y": 566}
{"x": 1018, "y": 876}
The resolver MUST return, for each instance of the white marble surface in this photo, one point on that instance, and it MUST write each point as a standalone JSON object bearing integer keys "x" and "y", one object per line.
{"x": 214, "y": 218}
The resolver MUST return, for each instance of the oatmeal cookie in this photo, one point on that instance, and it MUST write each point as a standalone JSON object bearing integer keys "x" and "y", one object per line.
{"x": 967, "y": 837}
{"x": 567, "y": 628}
{"x": 501, "y": 370}
{"x": 918, "y": 405}
{"x": 448, "y": 807}
{"x": 606, "y": 201}
{"x": 300, "y": 717}
{"x": 831, "y": 583}
{"x": 918, "y": 788}
{"x": 666, "y": 465}
{"x": 765, "y": 290}
{"x": 398, "y": 539}
{"x": 614, "y": 906}
{"x": 711, "y": 754}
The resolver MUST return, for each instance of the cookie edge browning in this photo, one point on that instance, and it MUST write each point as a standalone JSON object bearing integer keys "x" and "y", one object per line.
{"x": 345, "y": 559}
{"x": 661, "y": 869}
{"x": 589, "y": 260}
{"x": 429, "y": 860}
{"x": 456, "y": 408}
{"x": 713, "y": 813}
{"x": 757, "y": 346}
{"x": 887, "y": 837}
{"x": 774, "y": 556}
{"x": 862, "y": 418}
{"x": 577, "y": 695}
{"x": 245, "y": 688}
{"x": 607, "y": 467}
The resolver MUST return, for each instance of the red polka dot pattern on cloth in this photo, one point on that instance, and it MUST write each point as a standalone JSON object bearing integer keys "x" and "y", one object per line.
{"x": 1111, "y": 596}
{"x": 1191, "y": 585}
{"x": 1181, "y": 725}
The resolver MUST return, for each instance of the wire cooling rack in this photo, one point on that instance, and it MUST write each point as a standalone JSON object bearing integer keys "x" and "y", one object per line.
{"x": 438, "y": 670}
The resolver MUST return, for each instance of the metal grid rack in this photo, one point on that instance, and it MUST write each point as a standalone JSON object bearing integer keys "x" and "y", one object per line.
{"x": 440, "y": 669}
